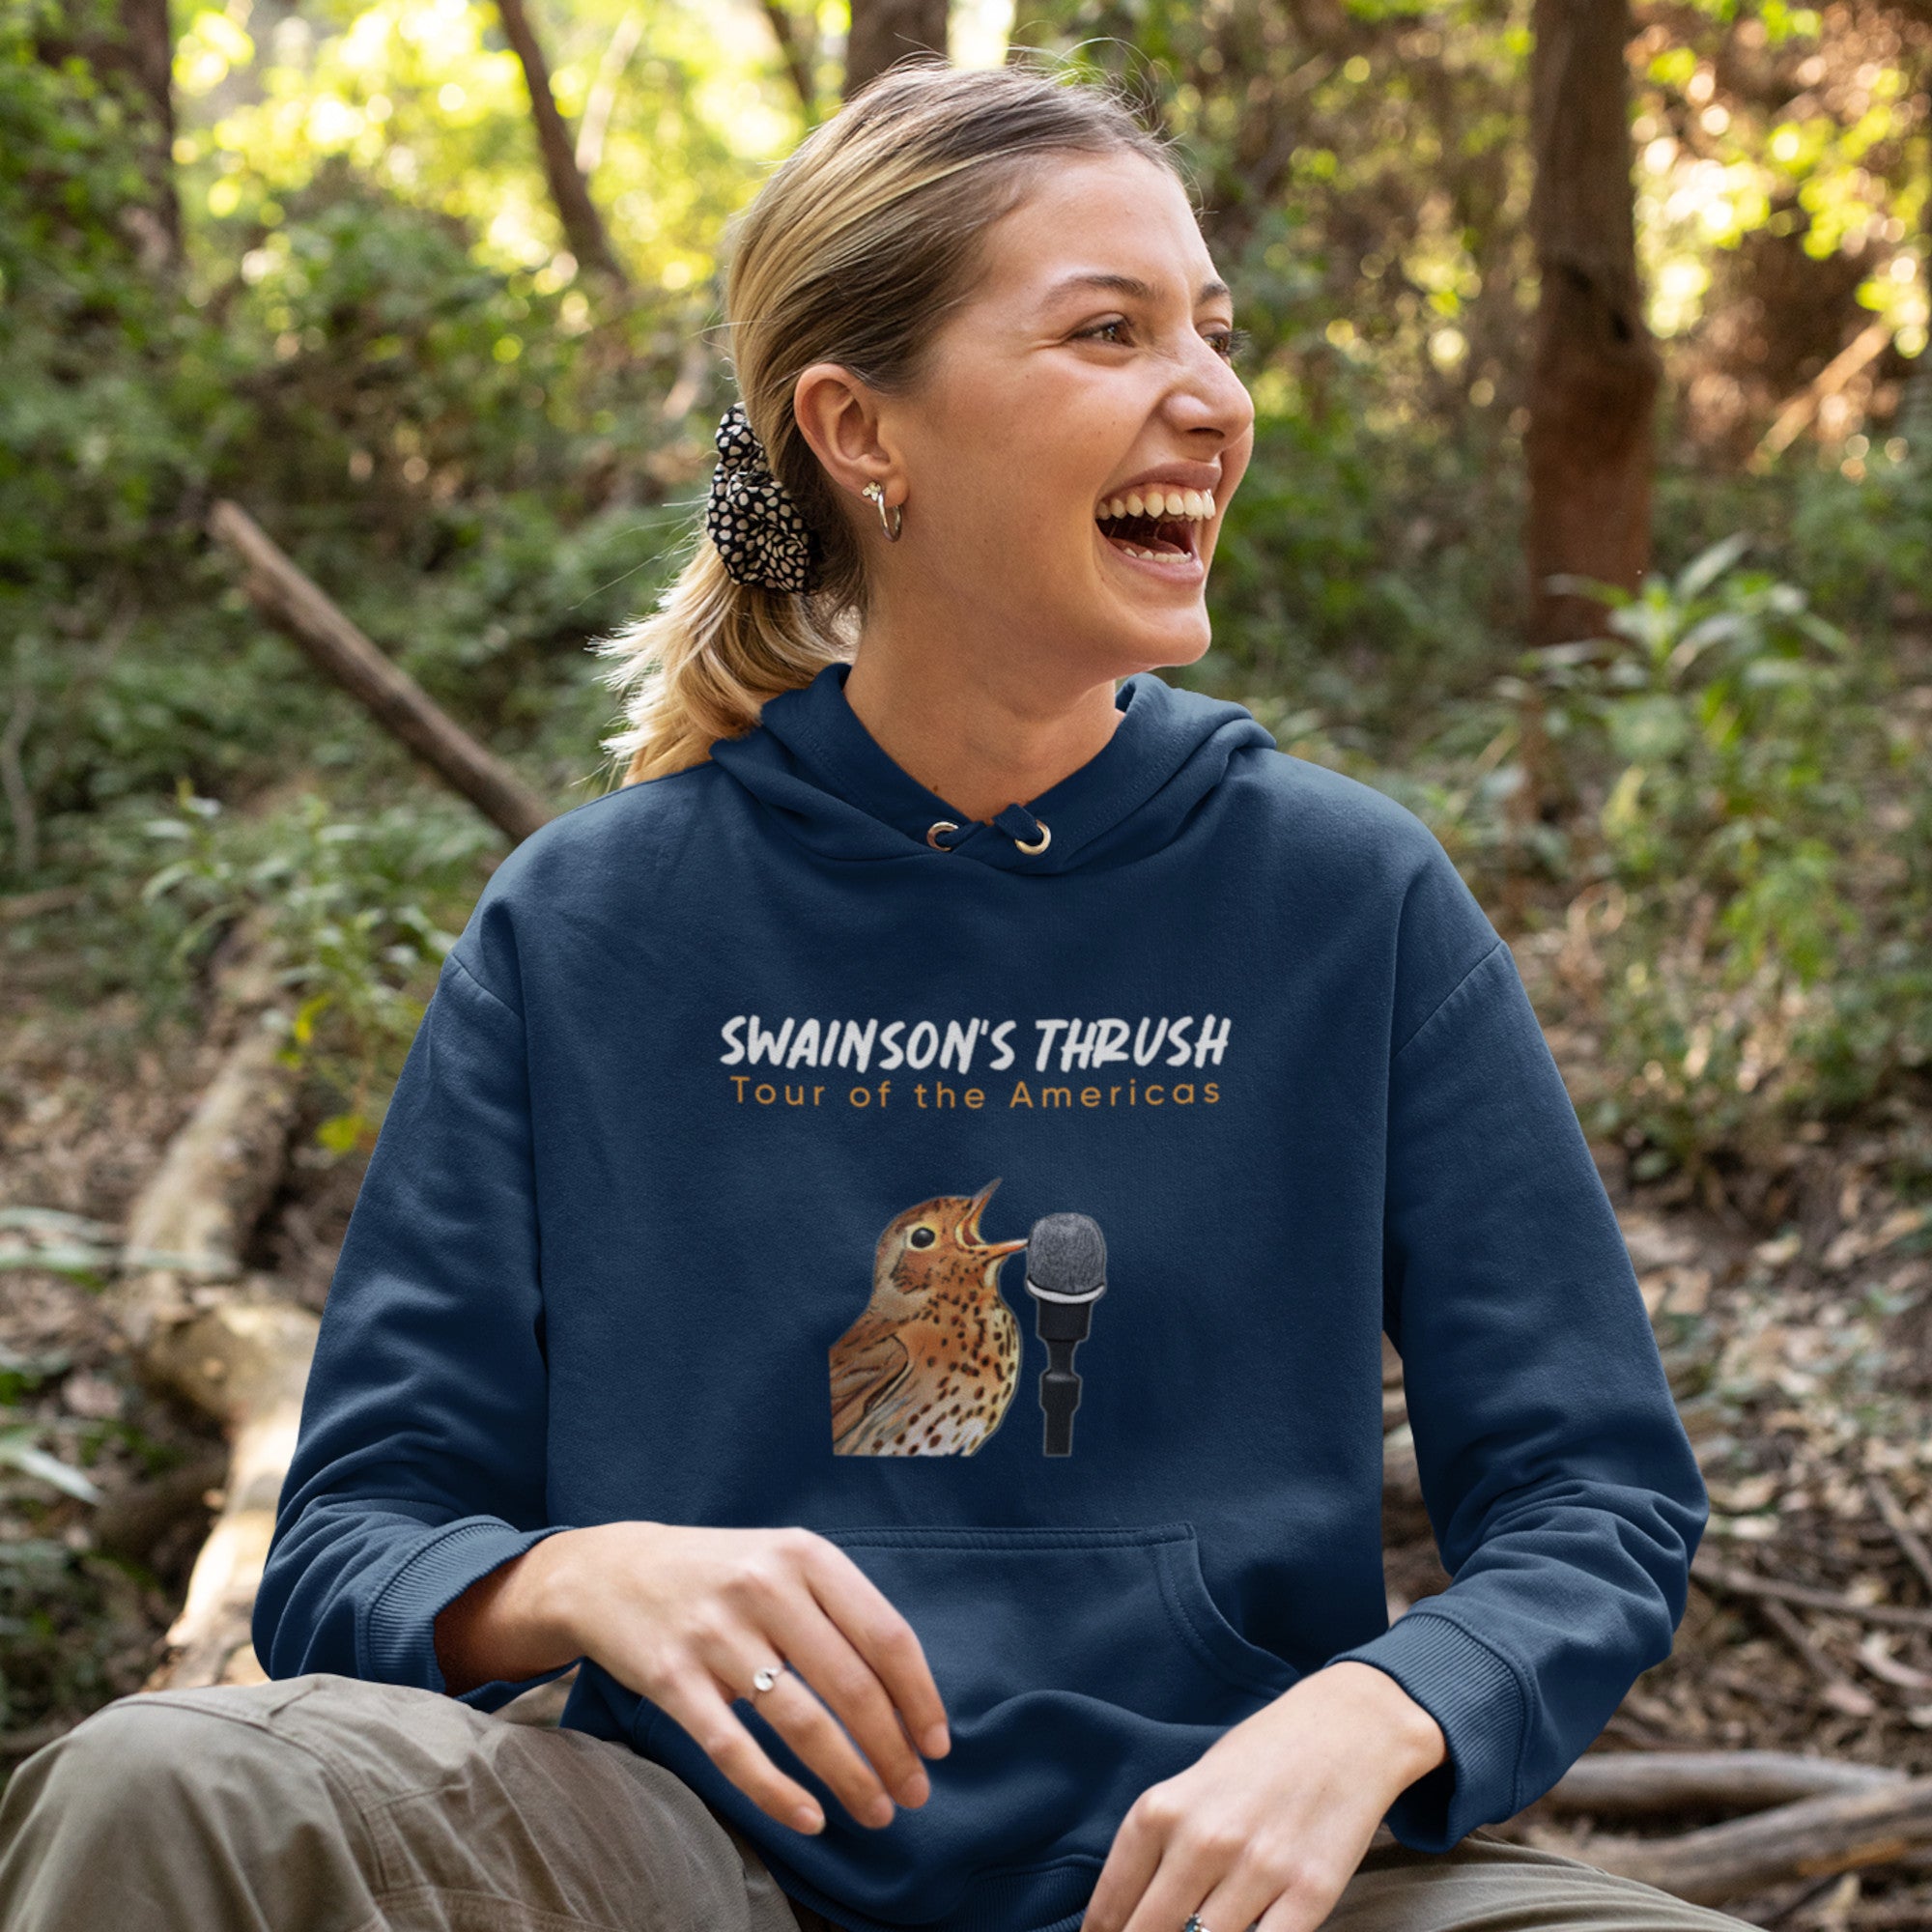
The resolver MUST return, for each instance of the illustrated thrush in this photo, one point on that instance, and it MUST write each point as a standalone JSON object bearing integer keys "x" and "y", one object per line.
{"x": 931, "y": 1365}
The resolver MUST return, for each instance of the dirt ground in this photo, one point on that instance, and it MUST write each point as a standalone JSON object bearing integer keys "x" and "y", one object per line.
{"x": 1798, "y": 1337}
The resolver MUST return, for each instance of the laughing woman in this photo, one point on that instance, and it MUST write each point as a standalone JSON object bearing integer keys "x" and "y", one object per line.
{"x": 882, "y": 1243}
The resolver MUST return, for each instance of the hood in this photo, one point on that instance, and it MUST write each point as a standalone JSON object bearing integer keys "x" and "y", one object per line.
{"x": 813, "y": 764}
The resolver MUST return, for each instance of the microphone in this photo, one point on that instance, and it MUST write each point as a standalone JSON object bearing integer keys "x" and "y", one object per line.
{"x": 1066, "y": 1274}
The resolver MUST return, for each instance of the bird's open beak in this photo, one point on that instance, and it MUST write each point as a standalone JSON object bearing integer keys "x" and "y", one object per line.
{"x": 970, "y": 1225}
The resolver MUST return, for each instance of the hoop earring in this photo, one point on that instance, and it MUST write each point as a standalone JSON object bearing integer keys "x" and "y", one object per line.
{"x": 877, "y": 492}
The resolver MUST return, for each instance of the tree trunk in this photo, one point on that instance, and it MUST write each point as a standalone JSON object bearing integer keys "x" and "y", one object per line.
{"x": 150, "y": 60}
{"x": 1594, "y": 374}
{"x": 583, "y": 225}
{"x": 885, "y": 31}
{"x": 1594, "y": 380}
{"x": 129, "y": 45}
{"x": 798, "y": 42}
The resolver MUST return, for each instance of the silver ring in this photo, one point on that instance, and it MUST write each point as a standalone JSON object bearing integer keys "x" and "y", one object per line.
{"x": 1194, "y": 1923}
{"x": 768, "y": 1676}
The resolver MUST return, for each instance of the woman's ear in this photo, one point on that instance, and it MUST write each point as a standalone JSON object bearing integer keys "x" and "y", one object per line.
{"x": 839, "y": 415}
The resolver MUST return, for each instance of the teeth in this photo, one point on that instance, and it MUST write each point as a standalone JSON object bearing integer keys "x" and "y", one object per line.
{"x": 1195, "y": 504}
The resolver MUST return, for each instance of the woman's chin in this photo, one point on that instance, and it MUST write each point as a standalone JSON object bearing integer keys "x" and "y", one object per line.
{"x": 1150, "y": 634}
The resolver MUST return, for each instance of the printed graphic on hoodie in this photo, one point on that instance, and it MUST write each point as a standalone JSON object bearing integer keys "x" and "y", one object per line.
{"x": 1121, "y": 1062}
{"x": 931, "y": 1366}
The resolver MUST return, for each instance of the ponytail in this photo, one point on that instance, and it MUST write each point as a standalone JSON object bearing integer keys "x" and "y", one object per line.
{"x": 702, "y": 665}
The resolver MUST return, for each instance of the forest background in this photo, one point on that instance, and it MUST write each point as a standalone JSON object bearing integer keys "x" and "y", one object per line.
{"x": 430, "y": 288}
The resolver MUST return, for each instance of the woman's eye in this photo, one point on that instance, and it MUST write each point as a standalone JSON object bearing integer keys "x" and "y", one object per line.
{"x": 1228, "y": 342}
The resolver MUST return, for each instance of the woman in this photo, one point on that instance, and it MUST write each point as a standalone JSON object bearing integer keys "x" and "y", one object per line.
{"x": 674, "y": 1331}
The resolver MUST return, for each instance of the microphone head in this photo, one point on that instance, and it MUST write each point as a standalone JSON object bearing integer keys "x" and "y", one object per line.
{"x": 1066, "y": 1258}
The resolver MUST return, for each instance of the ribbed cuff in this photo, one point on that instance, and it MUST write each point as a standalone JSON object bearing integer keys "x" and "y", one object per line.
{"x": 1478, "y": 1700}
{"x": 399, "y": 1640}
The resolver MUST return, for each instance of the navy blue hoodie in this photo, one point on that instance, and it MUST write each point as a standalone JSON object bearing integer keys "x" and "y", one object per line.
{"x": 760, "y": 1126}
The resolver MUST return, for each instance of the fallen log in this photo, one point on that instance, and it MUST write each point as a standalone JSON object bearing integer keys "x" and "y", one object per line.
{"x": 199, "y": 1328}
{"x": 1636, "y": 1784}
{"x": 245, "y": 1360}
{"x": 1814, "y": 1838}
{"x": 224, "y": 1163}
{"x": 299, "y": 607}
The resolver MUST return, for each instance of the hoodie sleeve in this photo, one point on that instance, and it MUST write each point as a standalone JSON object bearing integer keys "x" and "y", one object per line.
{"x": 1564, "y": 1496}
{"x": 419, "y": 1464}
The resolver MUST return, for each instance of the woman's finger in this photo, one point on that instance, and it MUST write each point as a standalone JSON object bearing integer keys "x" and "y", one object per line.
{"x": 1268, "y": 1883}
{"x": 796, "y": 1706}
{"x": 693, "y": 1699}
{"x": 853, "y": 1686}
{"x": 884, "y": 1641}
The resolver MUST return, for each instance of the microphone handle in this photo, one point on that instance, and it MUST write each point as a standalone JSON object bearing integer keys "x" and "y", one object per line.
{"x": 1059, "y": 1396}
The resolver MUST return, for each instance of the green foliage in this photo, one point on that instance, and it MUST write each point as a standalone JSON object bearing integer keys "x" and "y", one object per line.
{"x": 1722, "y": 711}
{"x": 361, "y": 911}
{"x": 1754, "y": 967}
{"x": 1862, "y": 538}
{"x": 1352, "y": 569}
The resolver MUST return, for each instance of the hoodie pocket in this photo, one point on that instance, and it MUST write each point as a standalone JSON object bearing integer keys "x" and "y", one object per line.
{"x": 1119, "y": 1614}
{"x": 1077, "y": 1667}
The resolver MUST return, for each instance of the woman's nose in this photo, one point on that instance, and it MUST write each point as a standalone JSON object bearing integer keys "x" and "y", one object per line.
{"x": 1211, "y": 395}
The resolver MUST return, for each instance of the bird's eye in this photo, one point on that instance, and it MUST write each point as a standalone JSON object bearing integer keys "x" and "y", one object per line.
{"x": 920, "y": 1238}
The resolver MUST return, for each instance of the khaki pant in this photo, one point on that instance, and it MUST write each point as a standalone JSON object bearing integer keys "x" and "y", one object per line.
{"x": 326, "y": 1803}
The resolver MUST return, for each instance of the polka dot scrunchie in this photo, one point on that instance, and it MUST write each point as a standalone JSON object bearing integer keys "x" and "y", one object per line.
{"x": 751, "y": 516}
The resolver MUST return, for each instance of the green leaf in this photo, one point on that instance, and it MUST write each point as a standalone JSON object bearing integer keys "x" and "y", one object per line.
{"x": 1704, "y": 569}
{"x": 18, "y": 1451}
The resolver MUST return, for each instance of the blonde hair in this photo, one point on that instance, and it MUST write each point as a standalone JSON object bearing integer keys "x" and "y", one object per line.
{"x": 853, "y": 251}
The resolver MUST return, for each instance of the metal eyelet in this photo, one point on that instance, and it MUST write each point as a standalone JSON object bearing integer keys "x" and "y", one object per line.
{"x": 933, "y": 830}
{"x": 1045, "y": 839}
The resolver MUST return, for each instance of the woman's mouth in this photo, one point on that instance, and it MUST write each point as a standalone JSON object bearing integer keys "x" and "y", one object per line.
{"x": 1157, "y": 530}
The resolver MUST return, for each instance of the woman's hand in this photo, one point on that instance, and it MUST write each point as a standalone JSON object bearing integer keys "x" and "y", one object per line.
{"x": 1271, "y": 1821}
{"x": 689, "y": 1616}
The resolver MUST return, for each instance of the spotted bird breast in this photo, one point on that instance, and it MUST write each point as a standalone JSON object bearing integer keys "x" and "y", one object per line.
{"x": 937, "y": 1386}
